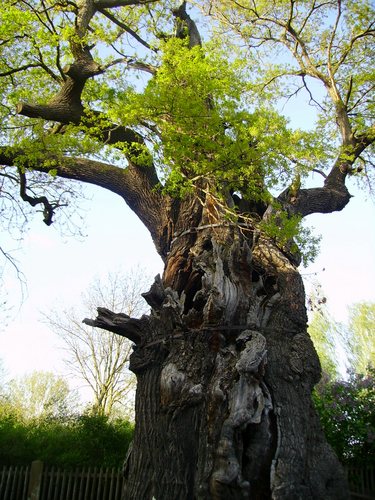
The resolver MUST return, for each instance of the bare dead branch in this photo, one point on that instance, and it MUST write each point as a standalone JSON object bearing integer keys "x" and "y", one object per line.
{"x": 119, "y": 323}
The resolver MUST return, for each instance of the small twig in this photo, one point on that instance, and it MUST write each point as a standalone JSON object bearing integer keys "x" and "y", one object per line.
{"x": 310, "y": 94}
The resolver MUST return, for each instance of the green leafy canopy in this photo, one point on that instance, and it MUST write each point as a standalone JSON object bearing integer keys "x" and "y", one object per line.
{"x": 209, "y": 131}
{"x": 198, "y": 101}
{"x": 209, "y": 119}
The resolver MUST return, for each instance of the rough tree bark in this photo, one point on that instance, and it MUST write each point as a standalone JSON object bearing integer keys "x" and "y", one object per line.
{"x": 225, "y": 370}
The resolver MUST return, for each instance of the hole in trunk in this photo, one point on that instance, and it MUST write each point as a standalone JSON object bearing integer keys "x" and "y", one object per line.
{"x": 193, "y": 286}
{"x": 256, "y": 460}
{"x": 270, "y": 285}
{"x": 207, "y": 245}
{"x": 255, "y": 276}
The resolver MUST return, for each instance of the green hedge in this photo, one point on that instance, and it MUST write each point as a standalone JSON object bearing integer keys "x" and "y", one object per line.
{"x": 85, "y": 440}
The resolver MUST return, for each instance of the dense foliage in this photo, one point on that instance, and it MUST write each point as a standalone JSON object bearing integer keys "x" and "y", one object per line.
{"x": 347, "y": 412}
{"x": 39, "y": 420}
{"x": 85, "y": 440}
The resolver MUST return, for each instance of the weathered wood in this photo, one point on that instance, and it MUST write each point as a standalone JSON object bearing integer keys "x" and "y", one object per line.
{"x": 35, "y": 481}
{"x": 119, "y": 323}
{"x": 214, "y": 401}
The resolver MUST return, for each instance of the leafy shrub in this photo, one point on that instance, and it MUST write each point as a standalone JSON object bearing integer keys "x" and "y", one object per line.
{"x": 347, "y": 413}
{"x": 88, "y": 440}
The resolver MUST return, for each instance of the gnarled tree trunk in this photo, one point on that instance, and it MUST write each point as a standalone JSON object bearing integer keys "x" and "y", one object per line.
{"x": 224, "y": 364}
{"x": 225, "y": 371}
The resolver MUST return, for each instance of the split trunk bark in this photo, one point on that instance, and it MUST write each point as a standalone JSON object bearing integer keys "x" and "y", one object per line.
{"x": 225, "y": 371}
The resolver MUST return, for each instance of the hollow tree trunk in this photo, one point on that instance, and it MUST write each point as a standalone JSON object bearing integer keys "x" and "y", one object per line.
{"x": 225, "y": 371}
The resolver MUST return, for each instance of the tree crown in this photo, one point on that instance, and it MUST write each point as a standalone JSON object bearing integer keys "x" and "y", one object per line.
{"x": 132, "y": 83}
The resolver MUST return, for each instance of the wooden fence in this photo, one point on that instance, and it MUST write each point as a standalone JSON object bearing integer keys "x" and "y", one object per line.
{"x": 40, "y": 482}
{"x": 14, "y": 482}
{"x": 361, "y": 482}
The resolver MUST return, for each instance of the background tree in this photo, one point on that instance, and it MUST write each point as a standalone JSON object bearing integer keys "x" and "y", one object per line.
{"x": 324, "y": 336}
{"x": 353, "y": 341}
{"x": 40, "y": 419}
{"x": 345, "y": 404}
{"x": 42, "y": 395}
{"x": 101, "y": 359}
{"x": 225, "y": 367}
{"x": 361, "y": 336}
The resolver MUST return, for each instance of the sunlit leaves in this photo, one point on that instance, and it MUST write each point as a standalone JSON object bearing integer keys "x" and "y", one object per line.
{"x": 361, "y": 340}
{"x": 199, "y": 103}
{"x": 208, "y": 114}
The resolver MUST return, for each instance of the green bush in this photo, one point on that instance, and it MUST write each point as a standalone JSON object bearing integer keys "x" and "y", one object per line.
{"x": 347, "y": 413}
{"x": 87, "y": 440}
{"x": 15, "y": 443}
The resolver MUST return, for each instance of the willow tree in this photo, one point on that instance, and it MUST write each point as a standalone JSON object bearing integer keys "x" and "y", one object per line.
{"x": 224, "y": 364}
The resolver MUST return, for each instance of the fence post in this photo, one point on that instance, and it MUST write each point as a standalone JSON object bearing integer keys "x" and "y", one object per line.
{"x": 35, "y": 480}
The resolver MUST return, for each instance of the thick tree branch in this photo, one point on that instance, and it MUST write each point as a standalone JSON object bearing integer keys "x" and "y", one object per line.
{"x": 74, "y": 112}
{"x": 57, "y": 111}
{"x": 322, "y": 200}
{"x": 334, "y": 195}
{"x": 66, "y": 106}
{"x": 137, "y": 185}
{"x": 183, "y": 20}
{"x": 121, "y": 324}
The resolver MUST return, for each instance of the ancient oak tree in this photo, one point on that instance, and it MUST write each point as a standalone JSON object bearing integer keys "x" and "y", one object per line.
{"x": 175, "y": 116}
